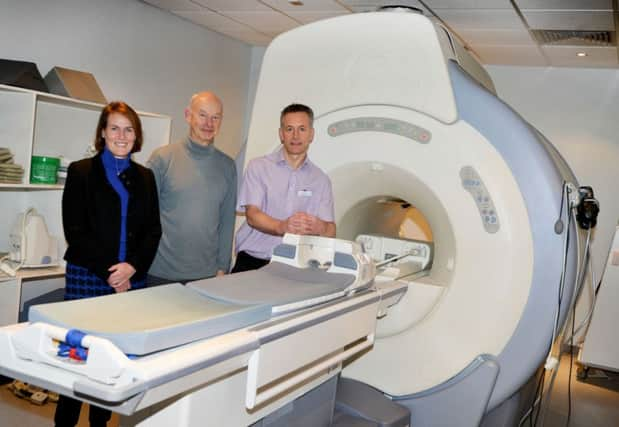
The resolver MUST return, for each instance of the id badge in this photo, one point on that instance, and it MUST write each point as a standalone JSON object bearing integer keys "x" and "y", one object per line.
{"x": 304, "y": 193}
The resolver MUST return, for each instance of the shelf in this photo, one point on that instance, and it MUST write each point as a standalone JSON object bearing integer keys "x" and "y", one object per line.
{"x": 34, "y": 273}
{"x": 31, "y": 187}
{"x": 35, "y": 123}
{"x": 55, "y": 99}
{"x": 39, "y": 273}
{"x": 42, "y": 124}
{"x": 66, "y": 101}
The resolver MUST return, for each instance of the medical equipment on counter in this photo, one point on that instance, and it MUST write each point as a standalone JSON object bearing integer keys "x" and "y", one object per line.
{"x": 319, "y": 291}
{"x": 31, "y": 245}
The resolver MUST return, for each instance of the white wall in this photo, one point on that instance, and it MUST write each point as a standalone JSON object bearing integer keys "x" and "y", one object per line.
{"x": 257, "y": 54}
{"x": 577, "y": 109}
{"x": 149, "y": 58}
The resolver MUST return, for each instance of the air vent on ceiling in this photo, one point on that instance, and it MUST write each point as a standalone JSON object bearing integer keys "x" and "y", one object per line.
{"x": 575, "y": 38}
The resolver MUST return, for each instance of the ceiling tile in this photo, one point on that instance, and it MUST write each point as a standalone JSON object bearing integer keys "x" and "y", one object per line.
{"x": 226, "y": 26}
{"x": 174, "y": 4}
{"x": 570, "y": 20}
{"x": 213, "y": 21}
{"x": 307, "y": 17}
{"x": 308, "y": 6}
{"x": 461, "y": 19}
{"x": 468, "y": 4}
{"x": 251, "y": 37}
{"x": 565, "y": 4}
{"x": 510, "y": 55}
{"x": 267, "y": 22}
{"x": 234, "y": 5}
{"x": 596, "y": 56}
{"x": 494, "y": 37}
{"x": 492, "y": 29}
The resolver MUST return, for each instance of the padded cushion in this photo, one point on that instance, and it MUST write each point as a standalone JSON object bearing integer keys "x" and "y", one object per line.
{"x": 152, "y": 319}
{"x": 274, "y": 284}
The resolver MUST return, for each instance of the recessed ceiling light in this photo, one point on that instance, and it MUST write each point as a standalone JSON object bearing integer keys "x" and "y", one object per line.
{"x": 581, "y": 54}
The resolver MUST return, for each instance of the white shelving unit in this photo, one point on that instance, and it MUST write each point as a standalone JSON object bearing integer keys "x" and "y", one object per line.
{"x": 41, "y": 124}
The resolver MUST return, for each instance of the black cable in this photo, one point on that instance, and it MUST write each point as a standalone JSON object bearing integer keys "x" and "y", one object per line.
{"x": 541, "y": 397}
{"x": 537, "y": 388}
{"x": 565, "y": 255}
{"x": 571, "y": 342}
{"x": 564, "y": 190}
{"x": 564, "y": 267}
{"x": 539, "y": 392}
{"x": 597, "y": 288}
{"x": 569, "y": 378}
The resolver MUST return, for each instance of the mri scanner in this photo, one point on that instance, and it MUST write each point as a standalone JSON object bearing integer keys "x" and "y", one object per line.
{"x": 405, "y": 121}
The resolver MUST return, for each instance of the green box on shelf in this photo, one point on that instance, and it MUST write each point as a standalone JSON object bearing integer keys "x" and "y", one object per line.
{"x": 44, "y": 170}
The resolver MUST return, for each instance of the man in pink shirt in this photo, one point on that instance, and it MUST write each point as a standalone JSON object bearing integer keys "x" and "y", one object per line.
{"x": 283, "y": 192}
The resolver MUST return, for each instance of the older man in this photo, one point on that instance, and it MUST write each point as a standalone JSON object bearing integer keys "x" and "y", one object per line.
{"x": 197, "y": 195}
{"x": 283, "y": 192}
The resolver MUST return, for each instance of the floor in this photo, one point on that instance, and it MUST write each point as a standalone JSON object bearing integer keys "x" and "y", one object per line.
{"x": 595, "y": 403}
{"x": 18, "y": 412}
{"x": 595, "y": 399}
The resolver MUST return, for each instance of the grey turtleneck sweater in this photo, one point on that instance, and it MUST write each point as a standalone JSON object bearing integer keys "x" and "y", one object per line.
{"x": 197, "y": 197}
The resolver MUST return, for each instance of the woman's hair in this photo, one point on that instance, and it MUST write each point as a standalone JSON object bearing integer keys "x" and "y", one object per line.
{"x": 124, "y": 109}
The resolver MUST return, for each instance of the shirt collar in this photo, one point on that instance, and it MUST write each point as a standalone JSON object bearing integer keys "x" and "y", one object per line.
{"x": 280, "y": 160}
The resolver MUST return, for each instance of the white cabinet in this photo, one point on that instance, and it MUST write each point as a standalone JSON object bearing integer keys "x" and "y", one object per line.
{"x": 26, "y": 286}
{"x": 601, "y": 347}
{"x": 41, "y": 124}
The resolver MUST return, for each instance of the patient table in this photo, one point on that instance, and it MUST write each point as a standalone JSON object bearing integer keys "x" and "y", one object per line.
{"x": 245, "y": 343}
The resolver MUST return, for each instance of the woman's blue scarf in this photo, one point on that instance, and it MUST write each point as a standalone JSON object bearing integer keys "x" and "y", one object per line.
{"x": 113, "y": 168}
